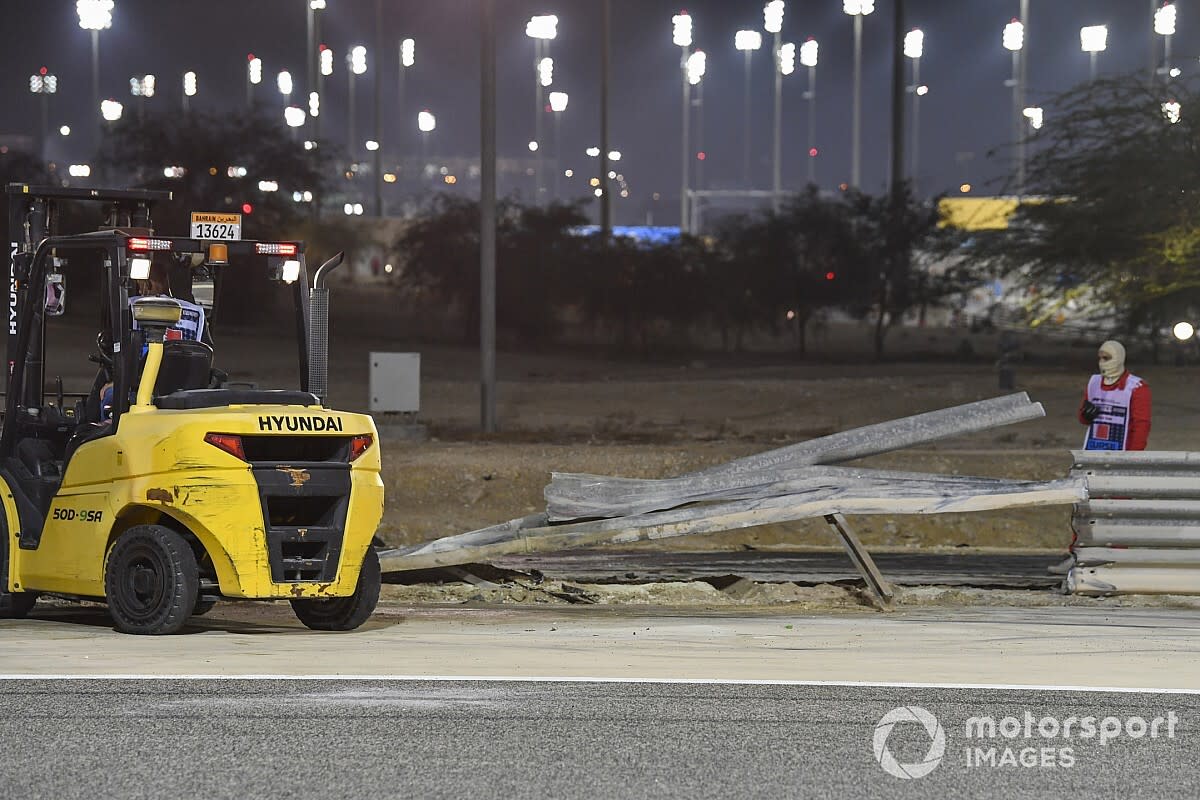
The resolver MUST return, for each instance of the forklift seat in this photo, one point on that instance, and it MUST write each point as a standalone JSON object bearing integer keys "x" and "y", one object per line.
{"x": 185, "y": 365}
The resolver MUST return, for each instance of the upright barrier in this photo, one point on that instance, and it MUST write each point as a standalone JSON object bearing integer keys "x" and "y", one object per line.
{"x": 1139, "y": 531}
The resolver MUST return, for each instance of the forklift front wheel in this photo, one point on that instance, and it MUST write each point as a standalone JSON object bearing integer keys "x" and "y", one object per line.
{"x": 151, "y": 581}
{"x": 344, "y": 613}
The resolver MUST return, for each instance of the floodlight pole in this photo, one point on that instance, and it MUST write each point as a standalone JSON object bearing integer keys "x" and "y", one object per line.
{"x": 487, "y": 216}
{"x": 777, "y": 183}
{"x": 379, "y": 109}
{"x": 683, "y": 148}
{"x": 1022, "y": 125}
{"x": 605, "y": 56}
{"x": 96, "y": 83}
{"x": 812, "y": 123}
{"x": 856, "y": 130}
{"x": 897, "y": 165}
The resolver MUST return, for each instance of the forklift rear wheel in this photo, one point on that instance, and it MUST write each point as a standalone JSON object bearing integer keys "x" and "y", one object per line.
{"x": 151, "y": 581}
{"x": 344, "y": 613}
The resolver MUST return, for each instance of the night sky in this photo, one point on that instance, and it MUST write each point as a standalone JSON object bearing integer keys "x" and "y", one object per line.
{"x": 967, "y": 110}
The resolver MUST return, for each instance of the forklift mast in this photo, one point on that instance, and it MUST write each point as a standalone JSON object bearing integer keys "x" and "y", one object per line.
{"x": 33, "y": 216}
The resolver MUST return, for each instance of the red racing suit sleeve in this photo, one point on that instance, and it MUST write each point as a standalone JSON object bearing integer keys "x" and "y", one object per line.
{"x": 1139, "y": 418}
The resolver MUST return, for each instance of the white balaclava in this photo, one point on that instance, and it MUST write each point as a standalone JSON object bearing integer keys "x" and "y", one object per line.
{"x": 1112, "y": 368}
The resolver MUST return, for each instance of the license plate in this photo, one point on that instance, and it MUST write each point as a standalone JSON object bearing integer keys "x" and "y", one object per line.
{"x": 216, "y": 227}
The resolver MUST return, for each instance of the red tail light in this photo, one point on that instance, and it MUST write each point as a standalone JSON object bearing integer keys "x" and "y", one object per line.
{"x": 142, "y": 244}
{"x": 359, "y": 445}
{"x": 229, "y": 442}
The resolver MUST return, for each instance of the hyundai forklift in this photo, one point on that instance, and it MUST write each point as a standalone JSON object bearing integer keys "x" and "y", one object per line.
{"x": 157, "y": 487}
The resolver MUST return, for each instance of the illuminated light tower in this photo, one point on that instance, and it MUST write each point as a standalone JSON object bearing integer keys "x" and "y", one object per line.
{"x": 95, "y": 16}
{"x": 1013, "y": 40}
{"x": 808, "y": 58}
{"x": 681, "y": 37}
{"x": 408, "y": 57}
{"x": 747, "y": 42}
{"x": 1035, "y": 115}
{"x": 558, "y": 104}
{"x": 324, "y": 70}
{"x": 111, "y": 110}
{"x": 43, "y": 84}
{"x": 1164, "y": 26}
{"x": 311, "y": 52}
{"x": 142, "y": 88}
{"x": 356, "y": 59}
{"x": 1172, "y": 111}
{"x": 189, "y": 89}
{"x": 773, "y": 24}
{"x": 787, "y": 65}
{"x": 542, "y": 29}
{"x": 283, "y": 81}
{"x": 697, "y": 65}
{"x": 914, "y": 48}
{"x": 294, "y": 116}
{"x": 857, "y": 8}
{"x": 254, "y": 68}
{"x": 426, "y": 124}
{"x": 1093, "y": 39}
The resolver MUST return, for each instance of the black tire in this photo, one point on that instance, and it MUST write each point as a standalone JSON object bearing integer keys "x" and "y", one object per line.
{"x": 203, "y": 607}
{"x": 13, "y": 605}
{"x": 151, "y": 581}
{"x": 344, "y": 613}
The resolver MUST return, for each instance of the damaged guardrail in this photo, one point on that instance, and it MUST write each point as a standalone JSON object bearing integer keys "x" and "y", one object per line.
{"x": 782, "y": 485}
{"x": 1139, "y": 531}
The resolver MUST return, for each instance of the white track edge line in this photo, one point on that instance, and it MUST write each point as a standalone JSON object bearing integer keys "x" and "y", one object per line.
{"x": 598, "y": 679}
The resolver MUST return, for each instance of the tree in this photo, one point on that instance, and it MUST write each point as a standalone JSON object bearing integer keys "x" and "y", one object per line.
{"x": 1116, "y": 206}
{"x": 538, "y": 256}
{"x": 888, "y": 232}
{"x": 210, "y": 148}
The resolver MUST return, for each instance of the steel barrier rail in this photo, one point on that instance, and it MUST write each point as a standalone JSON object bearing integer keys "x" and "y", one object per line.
{"x": 1139, "y": 531}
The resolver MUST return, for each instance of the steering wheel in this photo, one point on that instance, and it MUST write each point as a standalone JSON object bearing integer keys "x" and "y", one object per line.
{"x": 102, "y": 356}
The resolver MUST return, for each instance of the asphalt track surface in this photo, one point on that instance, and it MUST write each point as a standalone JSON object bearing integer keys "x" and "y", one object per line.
{"x": 339, "y": 738}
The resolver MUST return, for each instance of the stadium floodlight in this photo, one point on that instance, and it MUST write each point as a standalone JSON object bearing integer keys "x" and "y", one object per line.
{"x": 747, "y": 40}
{"x": 426, "y": 121}
{"x": 773, "y": 16}
{"x": 1014, "y": 35}
{"x": 697, "y": 65}
{"x": 558, "y": 101}
{"x": 358, "y": 59}
{"x": 808, "y": 53}
{"x": 1093, "y": 38}
{"x": 787, "y": 58}
{"x": 914, "y": 43}
{"x": 94, "y": 15}
{"x": 544, "y": 26}
{"x": 681, "y": 29}
{"x": 1164, "y": 20}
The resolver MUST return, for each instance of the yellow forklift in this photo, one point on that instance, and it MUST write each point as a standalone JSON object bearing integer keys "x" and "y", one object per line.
{"x": 162, "y": 488}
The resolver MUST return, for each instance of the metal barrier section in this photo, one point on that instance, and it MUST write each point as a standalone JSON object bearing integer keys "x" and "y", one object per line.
{"x": 1139, "y": 531}
{"x": 783, "y": 485}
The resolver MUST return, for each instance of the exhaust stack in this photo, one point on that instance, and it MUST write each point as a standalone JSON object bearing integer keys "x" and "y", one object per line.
{"x": 318, "y": 330}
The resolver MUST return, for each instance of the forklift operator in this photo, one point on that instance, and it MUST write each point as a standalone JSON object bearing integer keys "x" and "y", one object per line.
{"x": 191, "y": 322}
{"x": 190, "y": 326}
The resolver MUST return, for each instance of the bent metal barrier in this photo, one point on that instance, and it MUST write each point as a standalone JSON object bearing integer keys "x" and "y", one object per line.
{"x": 783, "y": 485}
{"x": 1139, "y": 531}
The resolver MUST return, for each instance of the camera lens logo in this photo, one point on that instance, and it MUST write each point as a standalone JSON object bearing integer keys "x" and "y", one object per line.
{"x": 937, "y": 742}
